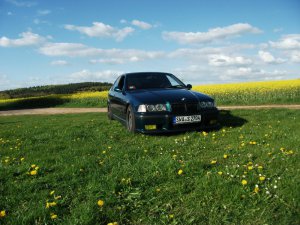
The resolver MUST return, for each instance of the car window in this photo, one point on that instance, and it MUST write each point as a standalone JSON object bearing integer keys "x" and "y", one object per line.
{"x": 121, "y": 83}
{"x": 150, "y": 80}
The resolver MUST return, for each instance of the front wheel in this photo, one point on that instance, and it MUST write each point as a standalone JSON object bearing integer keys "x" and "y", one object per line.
{"x": 130, "y": 120}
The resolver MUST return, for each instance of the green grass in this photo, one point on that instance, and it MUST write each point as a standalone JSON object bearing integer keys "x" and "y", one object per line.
{"x": 85, "y": 157}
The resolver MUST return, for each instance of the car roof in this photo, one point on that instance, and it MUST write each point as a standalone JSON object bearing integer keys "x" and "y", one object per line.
{"x": 144, "y": 73}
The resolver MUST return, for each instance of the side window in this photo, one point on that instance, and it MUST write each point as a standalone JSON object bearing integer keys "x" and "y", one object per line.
{"x": 116, "y": 83}
{"x": 121, "y": 83}
{"x": 172, "y": 80}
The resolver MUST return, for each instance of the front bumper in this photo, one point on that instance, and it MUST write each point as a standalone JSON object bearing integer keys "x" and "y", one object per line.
{"x": 164, "y": 121}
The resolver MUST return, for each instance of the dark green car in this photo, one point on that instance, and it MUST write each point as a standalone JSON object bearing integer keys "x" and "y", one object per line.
{"x": 152, "y": 102}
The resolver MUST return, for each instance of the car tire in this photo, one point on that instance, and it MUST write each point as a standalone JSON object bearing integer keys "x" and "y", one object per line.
{"x": 109, "y": 113}
{"x": 130, "y": 120}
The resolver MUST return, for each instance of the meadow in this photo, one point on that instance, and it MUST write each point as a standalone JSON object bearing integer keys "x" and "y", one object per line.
{"x": 250, "y": 93}
{"x": 85, "y": 169}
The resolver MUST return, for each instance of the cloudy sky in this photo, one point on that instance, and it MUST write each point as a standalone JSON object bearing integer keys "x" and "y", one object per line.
{"x": 207, "y": 41}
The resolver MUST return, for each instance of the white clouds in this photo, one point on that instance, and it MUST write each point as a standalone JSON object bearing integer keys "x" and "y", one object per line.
{"x": 59, "y": 63}
{"x": 121, "y": 56}
{"x": 26, "y": 39}
{"x": 248, "y": 73}
{"x": 225, "y": 60}
{"x": 43, "y": 12}
{"x": 108, "y": 56}
{"x": 102, "y": 30}
{"x": 214, "y": 34}
{"x": 103, "y": 76}
{"x": 141, "y": 24}
{"x": 22, "y": 3}
{"x": 287, "y": 42}
{"x": 68, "y": 49}
{"x": 267, "y": 57}
{"x": 295, "y": 56}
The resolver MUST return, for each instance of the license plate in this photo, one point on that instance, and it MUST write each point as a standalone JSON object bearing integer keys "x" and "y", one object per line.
{"x": 186, "y": 119}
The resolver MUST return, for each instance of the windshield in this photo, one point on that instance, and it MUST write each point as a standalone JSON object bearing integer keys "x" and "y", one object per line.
{"x": 152, "y": 80}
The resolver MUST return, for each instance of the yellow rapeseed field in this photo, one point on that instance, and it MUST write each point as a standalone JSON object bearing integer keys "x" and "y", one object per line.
{"x": 284, "y": 91}
{"x": 250, "y": 87}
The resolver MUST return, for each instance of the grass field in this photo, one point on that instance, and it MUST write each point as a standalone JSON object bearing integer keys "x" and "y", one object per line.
{"x": 84, "y": 169}
{"x": 250, "y": 93}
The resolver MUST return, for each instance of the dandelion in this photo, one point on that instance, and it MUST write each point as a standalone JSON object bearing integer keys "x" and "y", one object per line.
{"x": 33, "y": 166}
{"x": 33, "y": 173}
{"x": 180, "y": 172}
{"x": 244, "y": 182}
{"x": 213, "y": 162}
{"x": 2, "y": 213}
{"x": 256, "y": 189}
{"x": 171, "y": 216}
{"x": 50, "y": 204}
{"x": 204, "y": 133}
{"x": 53, "y": 216}
{"x": 250, "y": 167}
{"x": 262, "y": 178}
{"x": 52, "y": 192}
{"x": 100, "y": 203}
{"x": 114, "y": 223}
{"x": 260, "y": 167}
{"x": 157, "y": 189}
{"x": 22, "y": 159}
{"x": 225, "y": 156}
{"x": 220, "y": 173}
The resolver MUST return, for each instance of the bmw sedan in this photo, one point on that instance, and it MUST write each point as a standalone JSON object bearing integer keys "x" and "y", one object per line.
{"x": 153, "y": 102}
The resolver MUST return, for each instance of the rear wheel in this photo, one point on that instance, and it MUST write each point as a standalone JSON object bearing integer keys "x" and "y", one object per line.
{"x": 130, "y": 120}
{"x": 109, "y": 113}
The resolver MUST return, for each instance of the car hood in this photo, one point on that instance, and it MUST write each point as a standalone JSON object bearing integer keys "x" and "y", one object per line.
{"x": 154, "y": 96}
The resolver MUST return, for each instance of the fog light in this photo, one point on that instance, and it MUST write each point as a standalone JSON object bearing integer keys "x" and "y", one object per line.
{"x": 213, "y": 122}
{"x": 150, "y": 127}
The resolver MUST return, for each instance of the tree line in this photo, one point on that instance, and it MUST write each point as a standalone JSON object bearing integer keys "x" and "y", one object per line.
{"x": 55, "y": 89}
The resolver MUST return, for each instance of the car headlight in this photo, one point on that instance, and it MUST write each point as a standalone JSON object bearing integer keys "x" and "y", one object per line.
{"x": 152, "y": 108}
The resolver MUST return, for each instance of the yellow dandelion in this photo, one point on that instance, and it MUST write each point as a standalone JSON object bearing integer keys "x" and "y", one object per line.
{"x": 180, "y": 172}
{"x": 204, "y": 133}
{"x": 250, "y": 167}
{"x": 103, "y": 152}
{"x": 262, "y": 178}
{"x": 260, "y": 167}
{"x": 157, "y": 189}
{"x": 22, "y": 159}
{"x": 244, "y": 182}
{"x": 213, "y": 162}
{"x": 33, "y": 172}
{"x": 225, "y": 156}
{"x": 220, "y": 173}
{"x": 171, "y": 216}
{"x": 36, "y": 168}
{"x": 2, "y": 213}
{"x": 100, "y": 203}
{"x": 57, "y": 197}
{"x": 256, "y": 189}
{"x": 53, "y": 216}
{"x": 52, "y": 192}
{"x": 33, "y": 166}
{"x": 114, "y": 223}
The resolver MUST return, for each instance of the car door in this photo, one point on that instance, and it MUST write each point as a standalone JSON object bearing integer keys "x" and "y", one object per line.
{"x": 111, "y": 97}
{"x": 119, "y": 99}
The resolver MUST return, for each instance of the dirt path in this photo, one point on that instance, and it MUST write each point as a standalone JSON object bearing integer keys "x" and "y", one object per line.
{"x": 50, "y": 111}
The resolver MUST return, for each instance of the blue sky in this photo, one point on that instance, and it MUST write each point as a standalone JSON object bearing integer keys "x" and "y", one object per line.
{"x": 208, "y": 41}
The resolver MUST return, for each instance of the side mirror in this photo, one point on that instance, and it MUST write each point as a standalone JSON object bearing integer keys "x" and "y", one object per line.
{"x": 189, "y": 86}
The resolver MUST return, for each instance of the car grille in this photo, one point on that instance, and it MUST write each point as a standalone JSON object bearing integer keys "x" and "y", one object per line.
{"x": 184, "y": 108}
